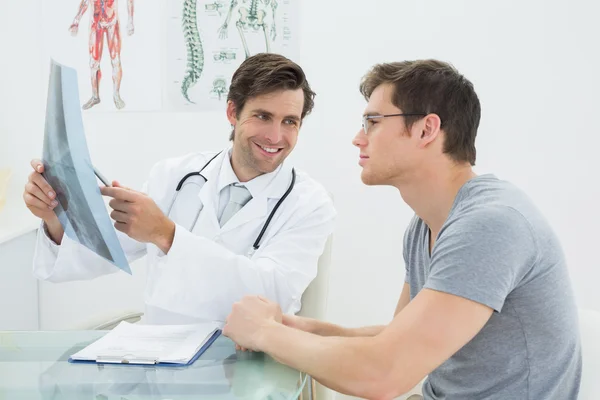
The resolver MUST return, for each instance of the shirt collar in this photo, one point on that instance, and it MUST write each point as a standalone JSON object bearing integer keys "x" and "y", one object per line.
{"x": 255, "y": 186}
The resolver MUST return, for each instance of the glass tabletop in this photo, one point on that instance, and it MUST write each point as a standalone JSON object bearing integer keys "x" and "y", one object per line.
{"x": 33, "y": 365}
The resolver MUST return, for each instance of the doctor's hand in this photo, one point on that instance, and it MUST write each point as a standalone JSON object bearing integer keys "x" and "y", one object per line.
{"x": 138, "y": 216}
{"x": 39, "y": 196}
{"x": 247, "y": 319}
{"x": 41, "y": 199}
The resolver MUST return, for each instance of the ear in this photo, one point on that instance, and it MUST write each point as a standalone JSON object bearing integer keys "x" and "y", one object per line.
{"x": 430, "y": 129}
{"x": 231, "y": 113}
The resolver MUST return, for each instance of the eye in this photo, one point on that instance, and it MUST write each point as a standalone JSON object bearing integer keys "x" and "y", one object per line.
{"x": 291, "y": 122}
{"x": 372, "y": 121}
{"x": 262, "y": 117}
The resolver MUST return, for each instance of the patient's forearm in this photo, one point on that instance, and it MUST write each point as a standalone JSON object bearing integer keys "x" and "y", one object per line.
{"x": 327, "y": 329}
{"x": 364, "y": 331}
{"x": 351, "y": 365}
{"x": 322, "y": 328}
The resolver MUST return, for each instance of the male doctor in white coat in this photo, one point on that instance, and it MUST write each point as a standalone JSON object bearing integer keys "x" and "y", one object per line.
{"x": 201, "y": 247}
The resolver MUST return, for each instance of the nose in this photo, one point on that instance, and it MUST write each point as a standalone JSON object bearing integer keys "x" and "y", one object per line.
{"x": 273, "y": 133}
{"x": 360, "y": 140}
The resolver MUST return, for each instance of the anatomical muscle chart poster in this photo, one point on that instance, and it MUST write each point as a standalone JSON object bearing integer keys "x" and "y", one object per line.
{"x": 115, "y": 47}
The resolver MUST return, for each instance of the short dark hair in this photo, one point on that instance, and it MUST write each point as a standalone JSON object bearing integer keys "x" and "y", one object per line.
{"x": 265, "y": 73}
{"x": 432, "y": 86}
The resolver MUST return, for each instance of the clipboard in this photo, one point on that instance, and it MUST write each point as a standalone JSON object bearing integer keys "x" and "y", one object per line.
{"x": 132, "y": 360}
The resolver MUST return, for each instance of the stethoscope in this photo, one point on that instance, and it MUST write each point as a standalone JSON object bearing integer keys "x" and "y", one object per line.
{"x": 256, "y": 244}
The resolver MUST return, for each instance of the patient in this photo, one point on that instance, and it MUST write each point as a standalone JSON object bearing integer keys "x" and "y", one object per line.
{"x": 487, "y": 310}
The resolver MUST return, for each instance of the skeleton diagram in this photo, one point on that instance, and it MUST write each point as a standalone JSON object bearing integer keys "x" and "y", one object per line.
{"x": 193, "y": 44}
{"x": 104, "y": 22}
{"x": 224, "y": 56}
{"x": 251, "y": 18}
{"x": 216, "y": 6}
{"x": 219, "y": 87}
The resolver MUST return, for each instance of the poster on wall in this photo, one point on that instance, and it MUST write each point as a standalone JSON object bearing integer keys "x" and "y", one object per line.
{"x": 114, "y": 46}
{"x": 206, "y": 40}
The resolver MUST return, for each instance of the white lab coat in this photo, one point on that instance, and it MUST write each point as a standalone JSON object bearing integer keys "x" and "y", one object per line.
{"x": 209, "y": 267}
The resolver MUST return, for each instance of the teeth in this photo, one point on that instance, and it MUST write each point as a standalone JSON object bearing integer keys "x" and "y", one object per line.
{"x": 269, "y": 150}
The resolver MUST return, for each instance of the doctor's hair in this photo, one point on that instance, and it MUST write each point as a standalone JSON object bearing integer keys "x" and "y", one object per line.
{"x": 265, "y": 73}
{"x": 432, "y": 86}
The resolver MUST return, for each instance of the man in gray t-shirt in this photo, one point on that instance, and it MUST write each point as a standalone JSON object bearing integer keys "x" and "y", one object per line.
{"x": 495, "y": 248}
{"x": 486, "y": 311}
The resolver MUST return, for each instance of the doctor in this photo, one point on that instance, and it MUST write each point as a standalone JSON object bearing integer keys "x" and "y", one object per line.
{"x": 215, "y": 226}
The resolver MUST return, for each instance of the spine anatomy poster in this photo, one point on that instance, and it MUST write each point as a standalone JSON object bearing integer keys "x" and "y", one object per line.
{"x": 207, "y": 40}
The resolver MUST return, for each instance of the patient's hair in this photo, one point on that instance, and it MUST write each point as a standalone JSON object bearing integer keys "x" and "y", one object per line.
{"x": 432, "y": 86}
{"x": 265, "y": 73}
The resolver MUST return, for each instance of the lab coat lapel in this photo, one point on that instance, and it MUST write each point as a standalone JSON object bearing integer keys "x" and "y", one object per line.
{"x": 257, "y": 207}
{"x": 208, "y": 196}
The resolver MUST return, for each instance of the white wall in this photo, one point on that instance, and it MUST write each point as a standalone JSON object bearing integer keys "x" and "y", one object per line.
{"x": 18, "y": 288}
{"x": 533, "y": 64}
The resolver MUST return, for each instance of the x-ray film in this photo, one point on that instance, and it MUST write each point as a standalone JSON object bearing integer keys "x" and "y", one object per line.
{"x": 69, "y": 170}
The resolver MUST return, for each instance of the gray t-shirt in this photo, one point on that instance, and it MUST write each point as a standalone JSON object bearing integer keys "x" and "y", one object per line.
{"x": 497, "y": 249}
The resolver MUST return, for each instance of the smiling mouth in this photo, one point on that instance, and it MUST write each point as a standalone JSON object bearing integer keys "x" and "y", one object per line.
{"x": 269, "y": 150}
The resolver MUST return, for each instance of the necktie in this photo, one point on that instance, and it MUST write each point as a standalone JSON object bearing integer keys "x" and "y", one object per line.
{"x": 238, "y": 197}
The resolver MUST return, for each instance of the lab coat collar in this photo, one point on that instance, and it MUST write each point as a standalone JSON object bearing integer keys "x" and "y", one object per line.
{"x": 280, "y": 182}
{"x": 212, "y": 169}
{"x": 270, "y": 186}
{"x": 255, "y": 186}
{"x": 208, "y": 194}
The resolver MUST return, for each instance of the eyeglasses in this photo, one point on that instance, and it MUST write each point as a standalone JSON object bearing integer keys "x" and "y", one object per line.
{"x": 367, "y": 118}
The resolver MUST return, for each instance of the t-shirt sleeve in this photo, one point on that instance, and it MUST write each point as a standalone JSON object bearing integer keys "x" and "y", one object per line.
{"x": 409, "y": 229}
{"x": 483, "y": 255}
